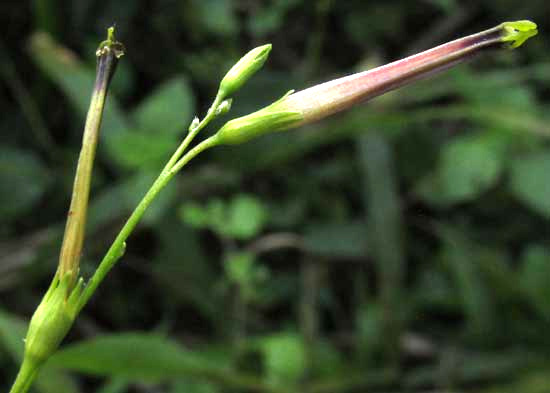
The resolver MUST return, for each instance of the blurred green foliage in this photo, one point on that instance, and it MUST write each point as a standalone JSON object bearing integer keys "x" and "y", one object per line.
{"x": 400, "y": 247}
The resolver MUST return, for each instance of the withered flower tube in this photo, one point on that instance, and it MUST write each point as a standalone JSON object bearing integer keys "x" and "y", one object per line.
{"x": 322, "y": 100}
{"x": 108, "y": 53}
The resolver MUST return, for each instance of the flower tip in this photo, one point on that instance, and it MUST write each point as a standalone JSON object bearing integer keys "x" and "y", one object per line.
{"x": 111, "y": 34}
{"x": 111, "y": 44}
{"x": 263, "y": 51}
{"x": 243, "y": 70}
{"x": 516, "y": 33}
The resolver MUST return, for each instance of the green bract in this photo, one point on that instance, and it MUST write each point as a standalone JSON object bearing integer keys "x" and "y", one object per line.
{"x": 52, "y": 319}
{"x": 258, "y": 123}
{"x": 243, "y": 70}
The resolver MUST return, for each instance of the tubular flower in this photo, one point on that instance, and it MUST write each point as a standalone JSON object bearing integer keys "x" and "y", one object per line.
{"x": 317, "y": 102}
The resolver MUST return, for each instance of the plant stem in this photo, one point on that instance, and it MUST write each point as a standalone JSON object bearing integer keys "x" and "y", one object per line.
{"x": 117, "y": 248}
{"x": 55, "y": 314}
{"x": 25, "y": 377}
{"x": 193, "y": 132}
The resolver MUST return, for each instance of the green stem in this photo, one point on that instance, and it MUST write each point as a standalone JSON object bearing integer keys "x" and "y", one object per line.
{"x": 25, "y": 377}
{"x": 194, "y": 131}
{"x": 117, "y": 248}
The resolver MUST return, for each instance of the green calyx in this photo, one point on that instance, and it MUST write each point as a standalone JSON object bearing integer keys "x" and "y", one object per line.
{"x": 516, "y": 33}
{"x": 110, "y": 45}
{"x": 272, "y": 118}
{"x": 52, "y": 319}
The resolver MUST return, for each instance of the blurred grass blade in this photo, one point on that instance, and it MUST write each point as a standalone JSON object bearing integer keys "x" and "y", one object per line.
{"x": 135, "y": 356}
{"x": 460, "y": 257}
{"x": 385, "y": 226}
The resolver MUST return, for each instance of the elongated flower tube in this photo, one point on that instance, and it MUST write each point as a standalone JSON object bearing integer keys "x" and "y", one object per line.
{"x": 322, "y": 100}
{"x": 108, "y": 53}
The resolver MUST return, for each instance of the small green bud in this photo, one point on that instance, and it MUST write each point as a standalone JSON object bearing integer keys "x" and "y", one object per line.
{"x": 194, "y": 124}
{"x": 224, "y": 107}
{"x": 243, "y": 70}
{"x": 52, "y": 319}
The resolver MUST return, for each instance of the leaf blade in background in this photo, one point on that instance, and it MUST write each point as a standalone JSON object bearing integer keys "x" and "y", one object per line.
{"x": 529, "y": 181}
{"x": 135, "y": 356}
{"x": 459, "y": 256}
{"x": 167, "y": 110}
{"x": 385, "y": 225}
{"x": 23, "y": 181}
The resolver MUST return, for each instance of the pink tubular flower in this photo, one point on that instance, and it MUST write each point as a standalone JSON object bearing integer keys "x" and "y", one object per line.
{"x": 317, "y": 102}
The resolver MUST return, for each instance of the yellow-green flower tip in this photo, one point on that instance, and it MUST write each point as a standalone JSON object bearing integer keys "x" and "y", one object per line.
{"x": 516, "y": 33}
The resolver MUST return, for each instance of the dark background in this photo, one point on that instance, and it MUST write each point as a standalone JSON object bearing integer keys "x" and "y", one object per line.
{"x": 400, "y": 247}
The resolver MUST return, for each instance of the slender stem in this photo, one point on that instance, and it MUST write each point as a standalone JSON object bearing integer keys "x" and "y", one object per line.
{"x": 25, "y": 377}
{"x": 194, "y": 131}
{"x": 117, "y": 248}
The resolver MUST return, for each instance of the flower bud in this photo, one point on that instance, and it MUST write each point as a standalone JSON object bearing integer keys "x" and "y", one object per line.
{"x": 243, "y": 70}
{"x": 224, "y": 107}
{"x": 194, "y": 124}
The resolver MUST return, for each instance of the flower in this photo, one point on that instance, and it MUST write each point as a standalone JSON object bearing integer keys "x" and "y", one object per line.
{"x": 317, "y": 102}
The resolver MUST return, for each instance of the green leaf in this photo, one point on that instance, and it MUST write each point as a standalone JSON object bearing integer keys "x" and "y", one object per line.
{"x": 23, "y": 181}
{"x": 135, "y": 356}
{"x": 461, "y": 256}
{"x": 239, "y": 267}
{"x": 284, "y": 358}
{"x": 180, "y": 258}
{"x": 192, "y": 386}
{"x": 347, "y": 239}
{"x": 385, "y": 222}
{"x": 217, "y": 16}
{"x": 529, "y": 181}
{"x": 242, "y": 218}
{"x": 247, "y": 216}
{"x": 369, "y": 323}
{"x": 194, "y": 215}
{"x": 49, "y": 380}
{"x": 114, "y": 385}
{"x": 142, "y": 150}
{"x": 469, "y": 165}
{"x": 167, "y": 110}
{"x": 271, "y": 17}
{"x": 123, "y": 197}
{"x": 534, "y": 277}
